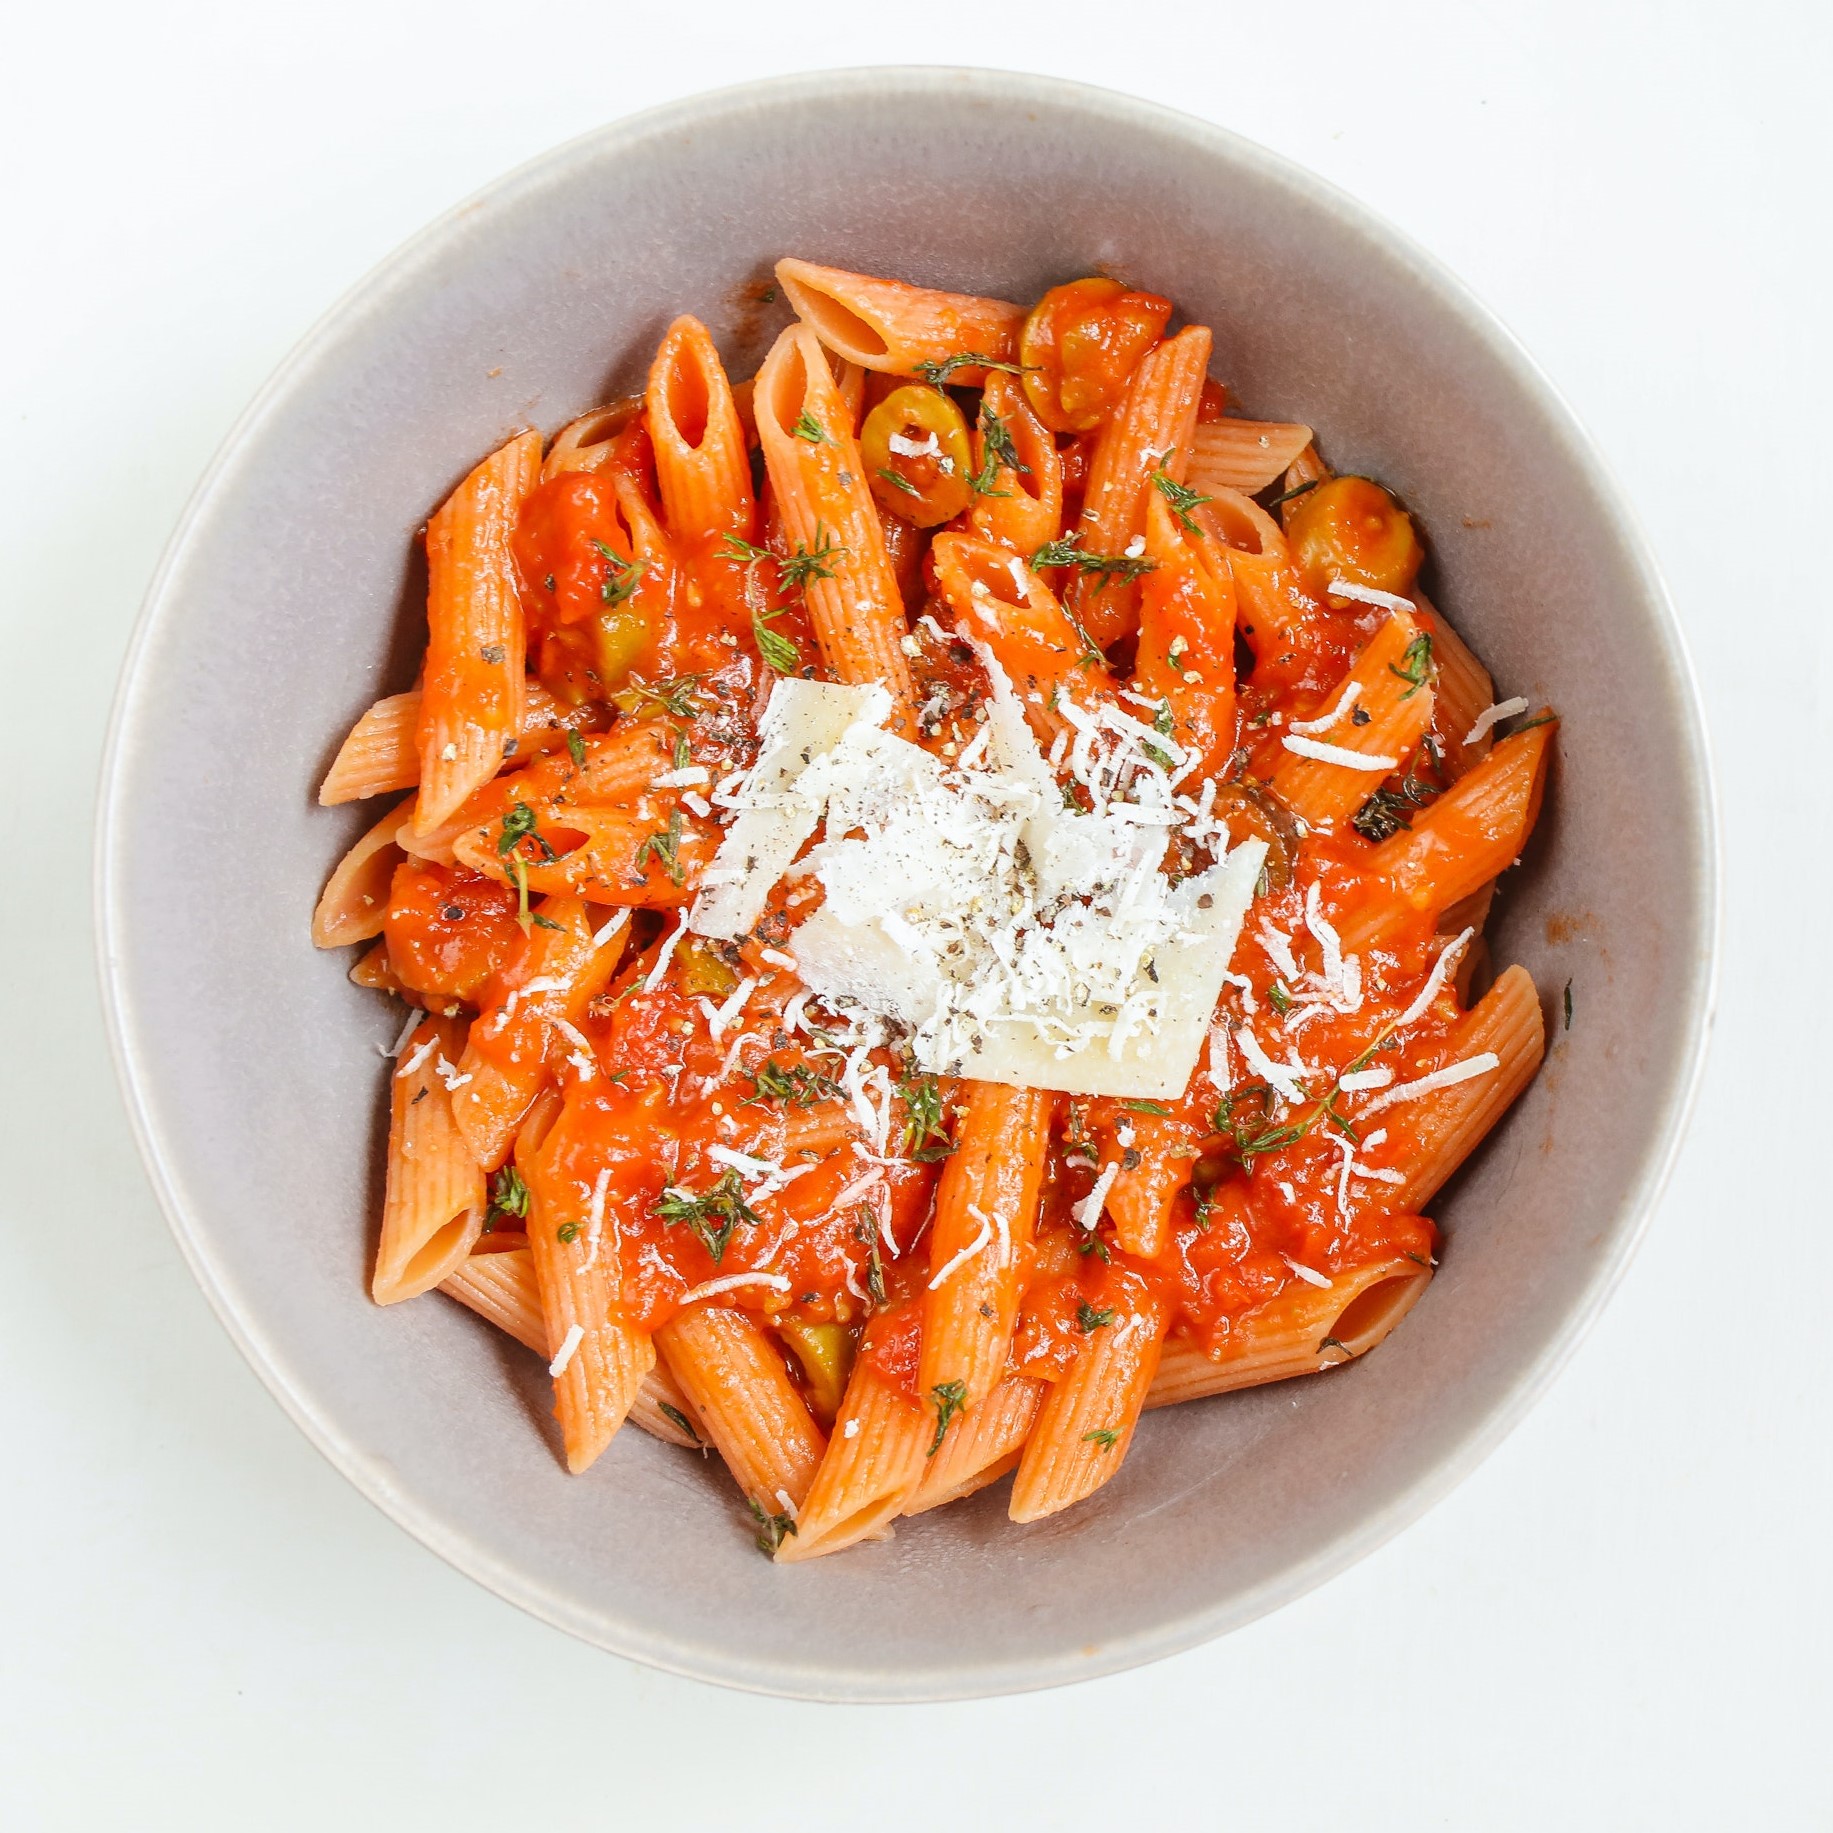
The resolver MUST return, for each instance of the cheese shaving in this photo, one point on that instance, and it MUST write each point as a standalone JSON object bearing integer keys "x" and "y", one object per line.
{"x": 1503, "y": 709}
{"x": 1339, "y": 754}
{"x": 568, "y": 1345}
{"x": 1448, "y": 1077}
{"x": 1388, "y": 601}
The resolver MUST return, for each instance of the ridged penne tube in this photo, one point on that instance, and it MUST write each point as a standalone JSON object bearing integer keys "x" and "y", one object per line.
{"x": 1447, "y": 1125}
{"x": 1302, "y": 1331}
{"x": 1473, "y": 832}
{"x": 985, "y": 1216}
{"x": 1463, "y": 688}
{"x": 586, "y": 444}
{"x": 850, "y": 385}
{"x": 1086, "y": 1421}
{"x": 873, "y": 1463}
{"x": 1140, "y": 1200}
{"x": 382, "y": 753}
{"x": 1151, "y": 431}
{"x": 982, "y": 1448}
{"x": 1273, "y": 606}
{"x": 891, "y": 326}
{"x": 500, "y": 1288}
{"x": 471, "y": 693}
{"x": 701, "y": 467}
{"x": 355, "y": 898}
{"x": 998, "y": 600}
{"x": 433, "y": 1207}
{"x": 1186, "y": 654}
{"x": 1245, "y": 455}
{"x": 1024, "y": 509}
{"x": 599, "y": 1360}
{"x": 1322, "y": 792}
{"x": 513, "y": 1046}
{"x": 827, "y": 509}
{"x": 750, "y": 1410}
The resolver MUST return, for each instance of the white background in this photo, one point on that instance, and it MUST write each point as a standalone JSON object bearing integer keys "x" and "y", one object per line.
{"x": 1621, "y": 1621}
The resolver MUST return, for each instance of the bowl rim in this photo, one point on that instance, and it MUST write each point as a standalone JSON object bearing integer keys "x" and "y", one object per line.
{"x": 978, "y": 1679}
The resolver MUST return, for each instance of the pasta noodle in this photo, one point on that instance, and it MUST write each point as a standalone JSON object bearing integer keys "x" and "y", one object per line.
{"x": 939, "y": 904}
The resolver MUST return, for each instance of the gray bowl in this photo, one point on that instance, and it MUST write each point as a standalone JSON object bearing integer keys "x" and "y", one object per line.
{"x": 288, "y": 599}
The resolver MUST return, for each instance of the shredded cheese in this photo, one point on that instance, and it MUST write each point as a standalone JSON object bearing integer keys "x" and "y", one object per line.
{"x": 1388, "y": 601}
{"x": 1339, "y": 754}
{"x": 1448, "y": 1077}
{"x": 730, "y": 1283}
{"x": 568, "y": 1345}
{"x": 1503, "y": 709}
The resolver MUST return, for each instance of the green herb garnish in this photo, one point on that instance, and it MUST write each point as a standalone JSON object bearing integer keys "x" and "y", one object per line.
{"x": 1415, "y": 665}
{"x": 1107, "y": 1437}
{"x": 809, "y": 428}
{"x": 950, "y": 1398}
{"x": 1181, "y": 497}
{"x": 680, "y": 1419}
{"x": 772, "y": 1530}
{"x": 935, "y": 374}
{"x": 567, "y": 1232}
{"x": 1091, "y": 1320}
{"x": 1148, "y": 1107}
{"x": 621, "y": 576}
{"x": 898, "y": 481}
{"x": 714, "y": 1215}
{"x": 519, "y": 825}
{"x": 665, "y": 849}
{"x": 508, "y": 1194}
{"x": 1067, "y": 550}
{"x": 1286, "y": 496}
{"x": 778, "y": 651}
{"x": 926, "y": 1136}
{"x": 808, "y": 564}
{"x": 797, "y": 1085}
{"x": 576, "y": 749}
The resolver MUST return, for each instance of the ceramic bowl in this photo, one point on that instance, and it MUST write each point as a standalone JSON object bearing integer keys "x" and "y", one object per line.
{"x": 290, "y": 597}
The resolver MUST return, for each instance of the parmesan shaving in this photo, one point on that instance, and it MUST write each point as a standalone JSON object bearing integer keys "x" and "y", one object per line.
{"x": 1503, "y": 709}
{"x": 568, "y": 1345}
{"x": 1448, "y": 1077}
{"x": 730, "y": 1283}
{"x": 1388, "y": 601}
{"x": 1339, "y": 754}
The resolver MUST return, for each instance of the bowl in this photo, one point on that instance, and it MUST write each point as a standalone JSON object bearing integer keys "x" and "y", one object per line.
{"x": 289, "y": 598}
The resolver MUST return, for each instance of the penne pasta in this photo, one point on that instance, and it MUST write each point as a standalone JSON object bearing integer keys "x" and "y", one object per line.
{"x": 895, "y": 328}
{"x": 1471, "y": 833}
{"x": 1145, "y": 448}
{"x": 1304, "y": 1331}
{"x": 471, "y": 696}
{"x": 1244, "y": 455}
{"x": 354, "y": 902}
{"x": 829, "y": 517}
{"x": 749, "y": 1408}
{"x": 433, "y": 1208}
{"x": 986, "y": 1212}
{"x": 1446, "y": 1126}
{"x": 871, "y": 1467}
{"x": 1086, "y": 1421}
{"x": 982, "y": 1449}
{"x": 1391, "y": 684}
{"x": 701, "y": 464}
{"x": 515, "y": 1045}
{"x": 1180, "y": 815}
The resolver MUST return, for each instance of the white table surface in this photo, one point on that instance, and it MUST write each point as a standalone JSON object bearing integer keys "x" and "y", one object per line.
{"x": 1620, "y": 1621}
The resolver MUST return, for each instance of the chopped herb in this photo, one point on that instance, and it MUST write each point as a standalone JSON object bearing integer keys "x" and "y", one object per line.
{"x": 1286, "y": 496}
{"x": 1385, "y": 813}
{"x": 567, "y": 1232}
{"x": 935, "y": 374}
{"x": 981, "y": 482}
{"x": 1527, "y": 725}
{"x": 576, "y": 749}
{"x": 675, "y": 696}
{"x": 797, "y": 1085}
{"x": 1568, "y": 1005}
{"x": 809, "y": 428}
{"x": 875, "y": 1267}
{"x": 767, "y": 296}
{"x": 665, "y": 849}
{"x": 737, "y": 548}
{"x": 1415, "y": 665}
{"x": 1281, "y": 1001}
{"x": 1067, "y": 550}
{"x": 1165, "y": 726}
{"x": 683, "y": 753}
{"x": 1094, "y": 1244}
{"x": 772, "y": 1530}
{"x": 714, "y": 1215}
{"x": 950, "y": 1398}
{"x": 508, "y": 1194}
{"x": 898, "y": 481}
{"x": 1107, "y": 1437}
{"x": 492, "y": 653}
{"x": 925, "y": 1134}
{"x": 1090, "y": 1320}
{"x": 519, "y": 825}
{"x": 680, "y": 1419}
{"x": 1419, "y": 1260}
{"x": 1181, "y": 497}
{"x": 1253, "y": 1138}
{"x": 1333, "y": 1343}
{"x": 621, "y": 575}
{"x": 1148, "y": 1107}
{"x": 778, "y": 651}
{"x": 808, "y": 564}
{"x": 535, "y": 916}
{"x": 998, "y": 440}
